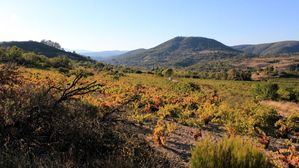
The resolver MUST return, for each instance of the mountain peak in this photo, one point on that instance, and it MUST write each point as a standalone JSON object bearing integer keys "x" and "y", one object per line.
{"x": 194, "y": 44}
{"x": 178, "y": 51}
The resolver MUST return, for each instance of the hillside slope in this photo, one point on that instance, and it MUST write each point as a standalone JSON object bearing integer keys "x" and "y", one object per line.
{"x": 42, "y": 49}
{"x": 276, "y": 48}
{"x": 178, "y": 52}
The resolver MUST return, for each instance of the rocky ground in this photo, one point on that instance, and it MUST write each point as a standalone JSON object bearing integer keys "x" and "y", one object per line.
{"x": 284, "y": 152}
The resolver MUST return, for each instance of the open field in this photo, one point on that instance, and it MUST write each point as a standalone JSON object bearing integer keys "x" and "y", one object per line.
{"x": 279, "y": 62}
{"x": 170, "y": 115}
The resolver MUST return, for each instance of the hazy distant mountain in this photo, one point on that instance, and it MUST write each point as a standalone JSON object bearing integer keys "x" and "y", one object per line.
{"x": 131, "y": 53}
{"x": 179, "y": 51}
{"x": 42, "y": 49}
{"x": 277, "y": 48}
{"x": 102, "y": 55}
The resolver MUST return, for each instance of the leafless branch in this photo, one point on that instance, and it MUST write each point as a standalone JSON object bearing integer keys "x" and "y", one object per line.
{"x": 76, "y": 89}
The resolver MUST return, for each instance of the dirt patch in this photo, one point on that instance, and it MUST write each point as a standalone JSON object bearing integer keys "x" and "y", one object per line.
{"x": 285, "y": 109}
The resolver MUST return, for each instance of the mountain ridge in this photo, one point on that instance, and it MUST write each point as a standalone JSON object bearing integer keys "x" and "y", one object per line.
{"x": 42, "y": 49}
{"x": 178, "y": 51}
{"x": 274, "y": 48}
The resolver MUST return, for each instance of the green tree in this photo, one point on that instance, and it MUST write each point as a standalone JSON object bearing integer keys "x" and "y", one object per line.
{"x": 245, "y": 76}
{"x": 14, "y": 53}
{"x": 168, "y": 72}
{"x": 52, "y": 44}
{"x": 100, "y": 66}
{"x": 232, "y": 74}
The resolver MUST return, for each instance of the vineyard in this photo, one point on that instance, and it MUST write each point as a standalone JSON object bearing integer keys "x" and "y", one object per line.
{"x": 149, "y": 84}
{"x": 94, "y": 118}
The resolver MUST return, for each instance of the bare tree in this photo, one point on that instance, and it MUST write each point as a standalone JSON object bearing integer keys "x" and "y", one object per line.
{"x": 75, "y": 88}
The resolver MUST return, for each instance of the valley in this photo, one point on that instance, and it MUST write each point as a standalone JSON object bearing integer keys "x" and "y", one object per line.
{"x": 175, "y": 105}
{"x": 149, "y": 84}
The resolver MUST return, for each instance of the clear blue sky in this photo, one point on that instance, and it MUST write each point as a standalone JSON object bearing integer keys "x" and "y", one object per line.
{"x": 130, "y": 24}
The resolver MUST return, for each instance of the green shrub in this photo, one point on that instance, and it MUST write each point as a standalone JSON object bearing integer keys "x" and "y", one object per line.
{"x": 243, "y": 118}
{"x": 267, "y": 91}
{"x": 168, "y": 72}
{"x": 265, "y": 119}
{"x": 287, "y": 125}
{"x": 99, "y": 66}
{"x": 289, "y": 94}
{"x": 63, "y": 70}
{"x": 115, "y": 74}
{"x": 2, "y": 54}
{"x": 158, "y": 71}
{"x": 229, "y": 153}
{"x": 61, "y": 61}
{"x": 169, "y": 110}
{"x": 292, "y": 122}
{"x": 186, "y": 88}
{"x": 14, "y": 53}
{"x": 33, "y": 60}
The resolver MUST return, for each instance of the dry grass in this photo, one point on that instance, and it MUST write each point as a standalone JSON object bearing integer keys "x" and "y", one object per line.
{"x": 285, "y": 109}
{"x": 279, "y": 62}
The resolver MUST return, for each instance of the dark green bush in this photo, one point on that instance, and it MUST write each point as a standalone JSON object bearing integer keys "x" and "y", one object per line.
{"x": 289, "y": 94}
{"x": 265, "y": 91}
{"x": 2, "y": 54}
{"x": 265, "y": 119}
{"x": 99, "y": 66}
{"x": 61, "y": 61}
{"x": 168, "y": 72}
{"x": 185, "y": 88}
{"x": 158, "y": 71}
{"x": 116, "y": 74}
{"x": 33, "y": 60}
{"x": 63, "y": 70}
{"x": 14, "y": 53}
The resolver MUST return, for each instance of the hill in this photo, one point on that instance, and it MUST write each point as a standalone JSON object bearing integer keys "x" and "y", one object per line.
{"x": 42, "y": 49}
{"x": 178, "y": 52}
{"x": 276, "y": 48}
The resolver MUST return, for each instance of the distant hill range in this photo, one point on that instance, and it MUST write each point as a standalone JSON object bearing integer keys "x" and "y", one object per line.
{"x": 178, "y": 52}
{"x": 42, "y": 49}
{"x": 102, "y": 55}
{"x": 190, "y": 51}
{"x": 277, "y": 48}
